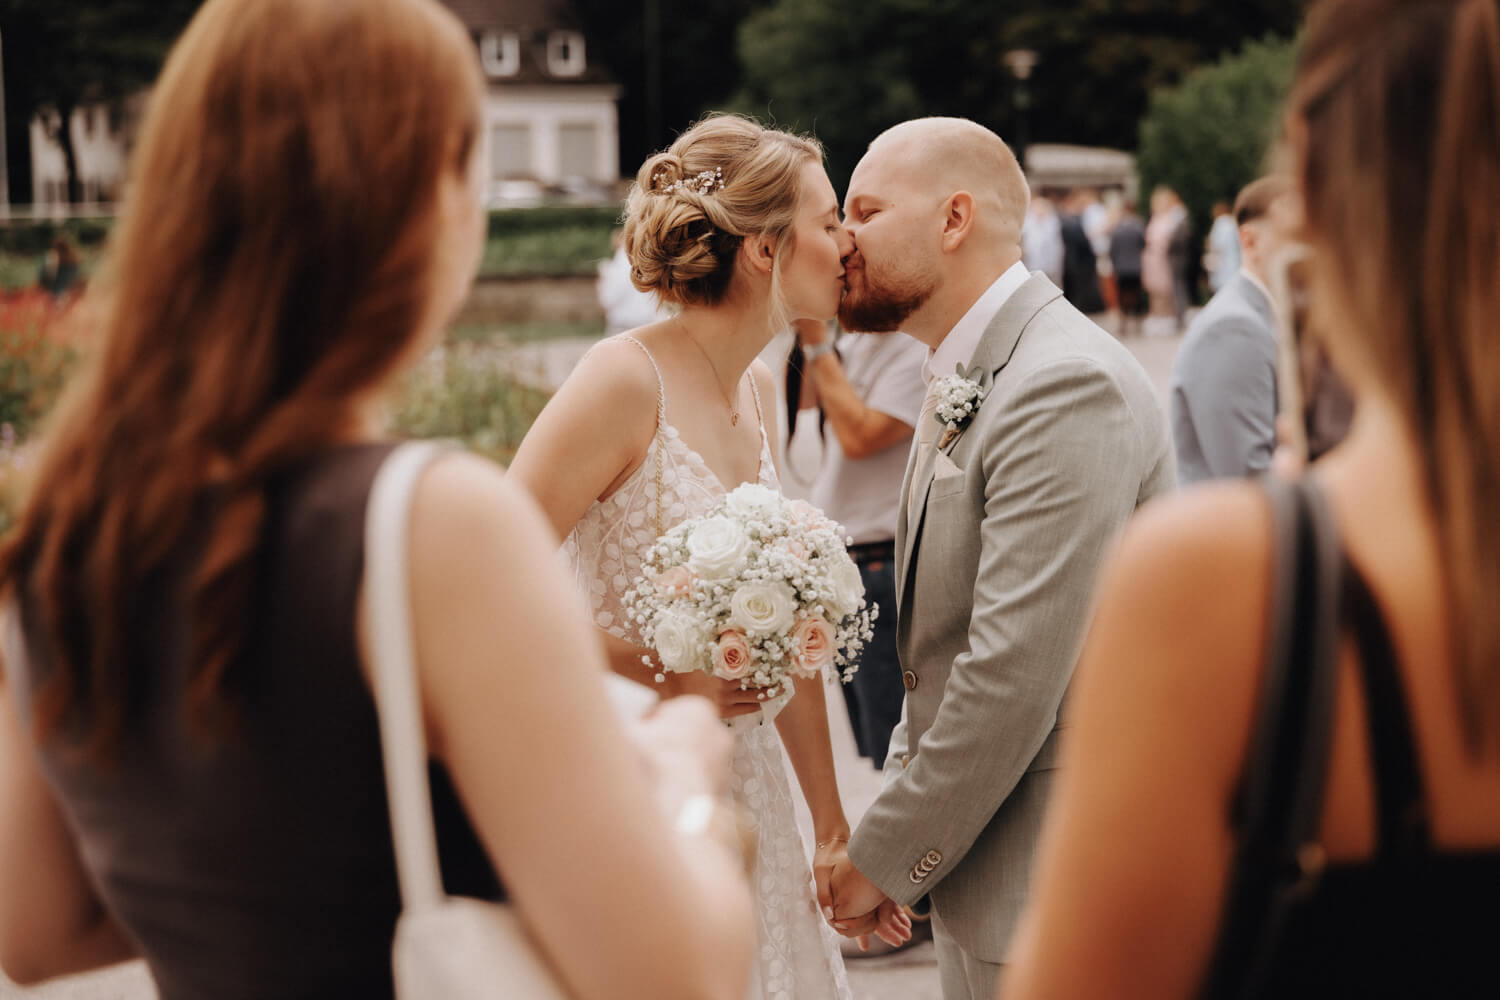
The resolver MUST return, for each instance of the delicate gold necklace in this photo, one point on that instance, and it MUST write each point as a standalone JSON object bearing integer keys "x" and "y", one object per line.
{"x": 734, "y": 406}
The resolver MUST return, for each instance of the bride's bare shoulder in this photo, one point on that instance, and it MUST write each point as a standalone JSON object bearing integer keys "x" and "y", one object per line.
{"x": 624, "y": 360}
{"x": 618, "y": 375}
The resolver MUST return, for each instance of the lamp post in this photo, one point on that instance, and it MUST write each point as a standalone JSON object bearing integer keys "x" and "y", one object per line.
{"x": 652, "y": 21}
{"x": 4, "y": 164}
{"x": 1021, "y": 62}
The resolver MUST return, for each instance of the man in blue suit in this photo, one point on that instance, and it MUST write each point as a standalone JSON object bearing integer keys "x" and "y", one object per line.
{"x": 1223, "y": 390}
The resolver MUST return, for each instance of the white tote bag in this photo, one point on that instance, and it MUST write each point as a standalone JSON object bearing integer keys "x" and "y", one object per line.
{"x": 446, "y": 948}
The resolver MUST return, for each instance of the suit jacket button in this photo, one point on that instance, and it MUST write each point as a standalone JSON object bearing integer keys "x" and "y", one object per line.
{"x": 916, "y": 877}
{"x": 909, "y": 680}
{"x": 933, "y": 858}
{"x": 905, "y": 759}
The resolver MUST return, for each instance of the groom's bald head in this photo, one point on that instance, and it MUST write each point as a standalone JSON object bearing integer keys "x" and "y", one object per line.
{"x": 945, "y": 155}
{"x": 935, "y": 209}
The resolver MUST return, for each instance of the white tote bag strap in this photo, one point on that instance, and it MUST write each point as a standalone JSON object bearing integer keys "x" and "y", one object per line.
{"x": 387, "y": 616}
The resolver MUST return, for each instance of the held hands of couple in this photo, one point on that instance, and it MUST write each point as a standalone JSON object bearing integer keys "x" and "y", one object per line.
{"x": 851, "y": 903}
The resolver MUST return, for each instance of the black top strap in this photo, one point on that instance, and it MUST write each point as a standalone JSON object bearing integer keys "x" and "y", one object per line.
{"x": 1279, "y": 801}
{"x": 1287, "y": 768}
{"x": 1399, "y": 797}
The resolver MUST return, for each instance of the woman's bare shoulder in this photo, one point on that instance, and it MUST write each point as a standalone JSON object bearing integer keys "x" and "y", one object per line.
{"x": 609, "y": 404}
{"x": 618, "y": 370}
{"x": 464, "y": 499}
{"x": 1217, "y": 532}
{"x": 1185, "y": 598}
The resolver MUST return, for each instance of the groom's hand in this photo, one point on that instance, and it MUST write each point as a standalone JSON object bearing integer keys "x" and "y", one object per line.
{"x": 848, "y": 899}
{"x": 854, "y": 897}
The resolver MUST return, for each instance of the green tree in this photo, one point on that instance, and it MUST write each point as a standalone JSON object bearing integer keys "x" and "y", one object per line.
{"x": 845, "y": 69}
{"x": 1210, "y": 135}
{"x": 60, "y": 54}
{"x": 689, "y": 57}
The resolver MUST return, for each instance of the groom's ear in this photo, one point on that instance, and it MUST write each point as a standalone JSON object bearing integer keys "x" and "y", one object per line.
{"x": 958, "y": 219}
{"x": 759, "y": 252}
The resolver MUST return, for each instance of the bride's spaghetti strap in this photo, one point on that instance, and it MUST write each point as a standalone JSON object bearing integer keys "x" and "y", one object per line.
{"x": 661, "y": 424}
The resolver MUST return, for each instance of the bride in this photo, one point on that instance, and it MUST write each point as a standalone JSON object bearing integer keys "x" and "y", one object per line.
{"x": 738, "y": 227}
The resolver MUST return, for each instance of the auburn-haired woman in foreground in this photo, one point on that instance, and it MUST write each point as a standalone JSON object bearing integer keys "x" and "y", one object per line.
{"x": 190, "y": 768}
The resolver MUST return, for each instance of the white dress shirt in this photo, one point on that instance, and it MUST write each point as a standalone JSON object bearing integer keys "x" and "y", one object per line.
{"x": 963, "y": 340}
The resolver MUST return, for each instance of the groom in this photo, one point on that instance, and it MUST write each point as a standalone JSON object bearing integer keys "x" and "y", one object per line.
{"x": 1005, "y": 520}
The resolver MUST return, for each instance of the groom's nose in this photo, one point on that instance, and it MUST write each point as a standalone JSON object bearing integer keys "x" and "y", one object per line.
{"x": 846, "y": 243}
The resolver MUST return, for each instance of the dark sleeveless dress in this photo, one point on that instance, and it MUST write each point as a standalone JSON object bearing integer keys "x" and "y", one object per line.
{"x": 261, "y": 867}
{"x": 1412, "y": 921}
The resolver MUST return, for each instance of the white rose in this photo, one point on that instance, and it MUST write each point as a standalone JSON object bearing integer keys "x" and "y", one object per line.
{"x": 717, "y": 548}
{"x": 763, "y": 607}
{"x": 676, "y": 639}
{"x": 848, "y": 585}
{"x": 753, "y": 500}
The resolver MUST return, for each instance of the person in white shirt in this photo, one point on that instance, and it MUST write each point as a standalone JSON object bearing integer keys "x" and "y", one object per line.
{"x": 866, "y": 389}
{"x": 625, "y": 306}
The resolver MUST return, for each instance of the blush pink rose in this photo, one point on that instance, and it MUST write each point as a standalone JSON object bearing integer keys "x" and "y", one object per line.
{"x": 802, "y": 512}
{"x": 676, "y": 582}
{"x": 815, "y": 639}
{"x": 796, "y": 549}
{"x": 731, "y": 655}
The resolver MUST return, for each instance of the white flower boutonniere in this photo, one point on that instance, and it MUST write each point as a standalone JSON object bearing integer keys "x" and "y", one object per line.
{"x": 958, "y": 400}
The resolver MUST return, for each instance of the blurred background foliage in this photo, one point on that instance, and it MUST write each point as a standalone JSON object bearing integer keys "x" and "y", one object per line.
{"x": 465, "y": 393}
{"x": 1214, "y": 132}
{"x": 846, "y": 69}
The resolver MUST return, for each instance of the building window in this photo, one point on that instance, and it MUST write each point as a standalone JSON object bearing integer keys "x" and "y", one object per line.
{"x": 578, "y": 151}
{"x": 565, "y": 53}
{"x": 500, "y": 54}
{"x": 510, "y": 152}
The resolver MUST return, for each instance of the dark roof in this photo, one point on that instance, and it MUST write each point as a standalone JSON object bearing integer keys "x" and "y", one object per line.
{"x": 532, "y": 21}
{"x": 495, "y": 15}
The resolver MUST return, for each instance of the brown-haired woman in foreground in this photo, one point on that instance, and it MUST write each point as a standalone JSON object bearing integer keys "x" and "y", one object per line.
{"x": 189, "y": 762}
{"x": 1394, "y": 127}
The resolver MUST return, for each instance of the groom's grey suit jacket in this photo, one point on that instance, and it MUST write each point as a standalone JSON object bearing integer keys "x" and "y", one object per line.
{"x": 995, "y": 571}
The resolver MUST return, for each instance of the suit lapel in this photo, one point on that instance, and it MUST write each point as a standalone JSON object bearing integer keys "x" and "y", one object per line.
{"x": 993, "y": 353}
{"x": 903, "y": 531}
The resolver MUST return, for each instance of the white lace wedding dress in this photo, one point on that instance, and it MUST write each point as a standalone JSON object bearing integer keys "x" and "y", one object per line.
{"x": 798, "y": 957}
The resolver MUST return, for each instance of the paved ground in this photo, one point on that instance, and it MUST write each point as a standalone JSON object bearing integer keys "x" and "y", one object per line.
{"x": 907, "y": 975}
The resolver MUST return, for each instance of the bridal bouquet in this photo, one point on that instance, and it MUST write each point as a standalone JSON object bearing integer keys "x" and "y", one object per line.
{"x": 759, "y": 590}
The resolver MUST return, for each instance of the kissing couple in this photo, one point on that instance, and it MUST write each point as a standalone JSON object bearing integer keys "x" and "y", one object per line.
{"x": 1004, "y": 517}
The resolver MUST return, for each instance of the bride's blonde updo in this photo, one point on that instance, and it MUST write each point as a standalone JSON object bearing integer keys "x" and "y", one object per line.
{"x": 691, "y": 206}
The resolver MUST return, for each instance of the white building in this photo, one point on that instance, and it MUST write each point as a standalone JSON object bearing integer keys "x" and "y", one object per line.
{"x": 550, "y": 115}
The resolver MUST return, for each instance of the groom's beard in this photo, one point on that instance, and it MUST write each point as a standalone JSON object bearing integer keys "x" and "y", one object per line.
{"x": 873, "y": 306}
